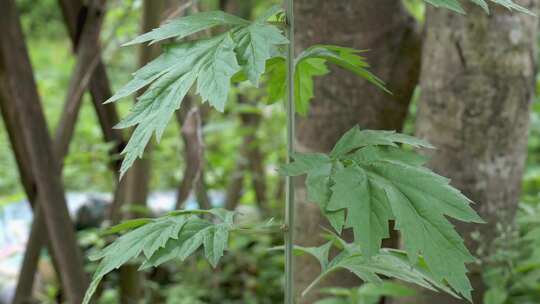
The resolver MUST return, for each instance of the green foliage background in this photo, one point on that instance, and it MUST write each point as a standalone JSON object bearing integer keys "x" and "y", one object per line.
{"x": 85, "y": 167}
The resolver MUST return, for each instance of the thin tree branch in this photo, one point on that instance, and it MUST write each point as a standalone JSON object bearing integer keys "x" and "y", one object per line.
{"x": 193, "y": 154}
{"x": 22, "y": 99}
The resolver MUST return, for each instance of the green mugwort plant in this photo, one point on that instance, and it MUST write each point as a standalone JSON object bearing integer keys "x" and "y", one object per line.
{"x": 363, "y": 183}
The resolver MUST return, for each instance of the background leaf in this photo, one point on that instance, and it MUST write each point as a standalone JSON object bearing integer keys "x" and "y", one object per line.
{"x": 163, "y": 239}
{"x": 189, "y": 25}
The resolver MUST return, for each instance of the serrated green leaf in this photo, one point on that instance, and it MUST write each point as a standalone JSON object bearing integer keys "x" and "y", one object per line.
{"x": 276, "y": 70}
{"x": 377, "y": 181}
{"x": 482, "y": 4}
{"x": 218, "y": 68}
{"x": 386, "y": 263}
{"x": 215, "y": 242}
{"x": 367, "y": 208}
{"x": 152, "y": 113}
{"x": 149, "y": 73}
{"x": 305, "y": 71}
{"x": 372, "y": 153}
{"x": 318, "y": 185}
{"x": 160, "y": 240}
{"x": 194, "y": 235}
{"x": 189, "y": 25}
{"x": 356, "y": 138}
{"x": 346, "y": 58}
{"x": 420, "y": 200}
{"x": 127, "y": 225}
{"x": 456, "y": 6}
{"x": 189, "y": 240}
{"x": 254, "y": 46}
{"x": 304, "y": 163}
{"x": 226, "y": 216}
{"x": 511, "y": 5}
{"x": 433, "y": 187}
{"x": 131, "y": 244}
{"x": 127, "y": 247}
{"x": 210, "y": 63}
{"x": 321, "y": 253}
{"x": 312, "y": 63}
{"x": 386, "y": 288}
{"x": 318, "y": 168}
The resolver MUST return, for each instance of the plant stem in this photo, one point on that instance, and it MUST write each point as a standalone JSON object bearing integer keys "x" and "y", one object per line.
{"x": 289, "y": 203}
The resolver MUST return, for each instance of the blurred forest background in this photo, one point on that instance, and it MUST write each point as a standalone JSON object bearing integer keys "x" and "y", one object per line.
{"x": 243, "y": 147}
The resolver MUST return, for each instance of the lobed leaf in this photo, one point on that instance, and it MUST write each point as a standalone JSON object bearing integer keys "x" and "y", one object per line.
{"x": 210, "y": 63}
{"x": 369, "y": 219}
{"x": 456, "y": 6}
{"x": 127, "y": 225}
{"x": 387, "y": 263}
{"x": 185, "y": 26}
{"x": 311, "y": 63}
{"x": 159, "y": 240}
{"x": 216, "y": 71}
{"x": 346, "y": 58}
{"x": 367, "y": 180}
{"x": 356, "y": 138}
{"x": 318, "y": 168}
{"x": 255, "y": 45}
{"x": 190, "y": 239}
{"x": 306, "y": 70}
{"x": 276, "y": 84}
{"x": 215, "y": 242}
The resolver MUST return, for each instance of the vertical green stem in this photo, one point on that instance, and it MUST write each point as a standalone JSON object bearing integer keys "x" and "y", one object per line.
{"x": 289, "y": 203}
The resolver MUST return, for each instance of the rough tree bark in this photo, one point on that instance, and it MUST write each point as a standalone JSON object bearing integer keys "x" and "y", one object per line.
{"x": 477, "y": 80}
{"x": 343, "y": 100}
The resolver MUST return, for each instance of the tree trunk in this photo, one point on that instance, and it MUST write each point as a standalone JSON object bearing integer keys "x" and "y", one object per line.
{"x": 88, "y": 55}
{"x": 75, "y": 17}
{"x": 191, "y": 132}
{"x": 99, "y": 87}
{"x": 20, "y": 102}
{"x": 343, "y": 100}
{"x": 478, "y": 80}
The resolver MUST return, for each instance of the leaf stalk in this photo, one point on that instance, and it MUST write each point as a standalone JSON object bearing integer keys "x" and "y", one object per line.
{"x": 289, "y": 202}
